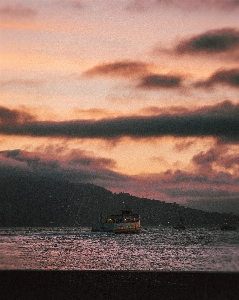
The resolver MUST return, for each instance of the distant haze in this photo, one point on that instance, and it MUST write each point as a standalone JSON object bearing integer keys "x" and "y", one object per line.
{"x": 229, "y": 206}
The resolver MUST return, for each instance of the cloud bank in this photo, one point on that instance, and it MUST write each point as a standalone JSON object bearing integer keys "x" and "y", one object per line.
{"x": 75, "y": 165}
{"x": 220, "y": 121}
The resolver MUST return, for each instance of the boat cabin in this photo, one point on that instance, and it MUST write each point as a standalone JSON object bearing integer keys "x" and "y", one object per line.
{"x": 126, "y": 216}
{"x": 126, "y": 222}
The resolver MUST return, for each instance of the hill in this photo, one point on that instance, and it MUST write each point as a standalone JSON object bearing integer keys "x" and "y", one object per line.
{"x": 41, "y": 201}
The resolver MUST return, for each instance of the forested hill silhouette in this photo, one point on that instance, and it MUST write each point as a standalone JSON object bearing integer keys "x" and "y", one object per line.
{"x": 41, "y": 201}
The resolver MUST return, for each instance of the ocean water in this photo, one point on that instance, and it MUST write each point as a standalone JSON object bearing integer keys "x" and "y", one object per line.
{"x": 155, "y": 249}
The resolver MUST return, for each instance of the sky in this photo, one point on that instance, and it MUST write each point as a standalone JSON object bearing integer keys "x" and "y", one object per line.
{"x": 136, "y": 96}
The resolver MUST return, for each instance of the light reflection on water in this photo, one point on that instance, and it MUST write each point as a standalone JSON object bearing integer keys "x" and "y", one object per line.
{"x": 160, "y": 248}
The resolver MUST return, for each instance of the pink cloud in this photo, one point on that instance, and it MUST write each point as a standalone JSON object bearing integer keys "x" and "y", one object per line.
{"x": 118, "y": 68}
{"x": 141, "y": 5}
{"x": 17, "y": 11}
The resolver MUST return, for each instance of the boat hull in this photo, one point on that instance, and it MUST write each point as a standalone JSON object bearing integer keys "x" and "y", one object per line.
{"x": 116, "y": 228}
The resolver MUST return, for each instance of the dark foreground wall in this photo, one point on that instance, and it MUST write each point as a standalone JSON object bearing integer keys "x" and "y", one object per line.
{"x": 118, "y": 285}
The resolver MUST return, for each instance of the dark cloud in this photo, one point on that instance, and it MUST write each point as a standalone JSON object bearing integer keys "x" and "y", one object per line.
{"x": 156, "y": 81}
{"x": 85, "y": 168}
{"x": 139, "y": 69}
{"x": 33, "y": 162}
{"x": 183, "y": 187}
{"x": 93, "y": 162}
{"x": 14, "y": 116}
{"x": 17, "y": 11}
{"x": 206, "y": 158}
{"x": 118, "y": 68}
{"x": 228, "y": 77}
{"x": 74, "y": 159}
{"x": 175, "y": 178}
{"x": 220, "y": 121}
{"x": 220, "y": 155}
{"x": 210, "y": 42}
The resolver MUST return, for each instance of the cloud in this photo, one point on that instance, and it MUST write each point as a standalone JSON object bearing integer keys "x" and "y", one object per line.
{"x": 118, "y": 68}
{"x": 184, "y": 145}
{"x": 204, "y": 160}
{"x": 31, "y": 161}
{"x": 194, "y": 179}
{"x": 200, "y": 4}
{"x": 156, "y": 81}
{"x": 93, "y": 162}
{"x": 155, "y": 110}
{"x": 220, "y": 121}
{"x": 228, "y": 77}
{"x": 75, "y": 4}
{"x": 181, "y": 186}
{"x": 75, "y": 166}
{"x": 210, "y": 42}
{"x": 14, "y": 116}
{"x": 17, "y": 11}
{"x": 45, "y": 156}
{"x": 220, "y": 156}
{"x": 21, "y": 82}
{"x": 137, "y": 69}
{"x": 141, "y": 5}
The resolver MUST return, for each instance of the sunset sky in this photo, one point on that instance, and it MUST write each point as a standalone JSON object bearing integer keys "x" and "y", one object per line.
{"x": 135, "y": 96}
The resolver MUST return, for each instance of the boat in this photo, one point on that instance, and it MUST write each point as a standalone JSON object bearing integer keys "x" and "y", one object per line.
{"x": 126, "y": 222}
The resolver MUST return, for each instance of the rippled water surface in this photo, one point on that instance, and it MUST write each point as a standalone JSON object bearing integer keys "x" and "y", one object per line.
{"x": 158, "y": 248}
